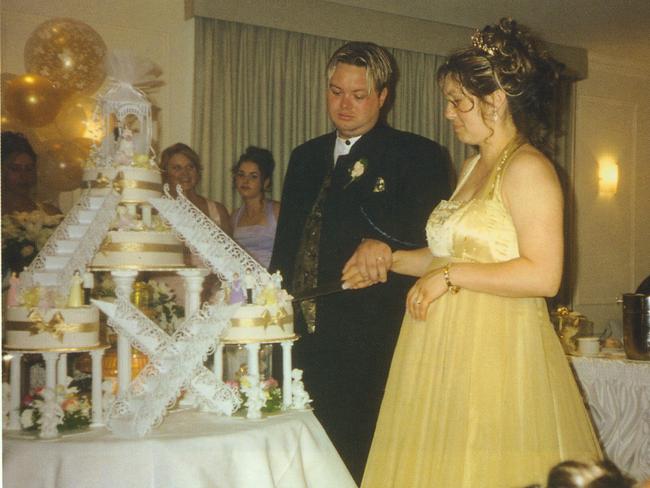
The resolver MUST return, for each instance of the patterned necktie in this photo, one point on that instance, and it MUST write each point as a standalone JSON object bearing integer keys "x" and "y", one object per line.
{"x": 306, "y": 267}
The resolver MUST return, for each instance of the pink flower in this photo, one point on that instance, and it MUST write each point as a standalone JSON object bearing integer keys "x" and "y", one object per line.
{"x": 270, "y": 384}
{"x": 27, "y": 400}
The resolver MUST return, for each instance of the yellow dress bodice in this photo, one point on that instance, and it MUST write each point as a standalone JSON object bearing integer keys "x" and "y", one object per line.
{"x": 477, "y": 230}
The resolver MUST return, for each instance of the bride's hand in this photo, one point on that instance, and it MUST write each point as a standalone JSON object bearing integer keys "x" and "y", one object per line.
{"x": 427, "y": 289}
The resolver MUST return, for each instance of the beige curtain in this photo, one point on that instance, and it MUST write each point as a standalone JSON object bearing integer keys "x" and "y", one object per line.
{"x": 266, "y": 87}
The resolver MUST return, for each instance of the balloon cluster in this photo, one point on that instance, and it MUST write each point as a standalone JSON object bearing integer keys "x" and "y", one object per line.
{"x": 51, "y": 103}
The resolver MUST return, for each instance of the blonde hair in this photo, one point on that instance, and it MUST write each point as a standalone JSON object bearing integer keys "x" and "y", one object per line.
{"x": 377, "y": 61}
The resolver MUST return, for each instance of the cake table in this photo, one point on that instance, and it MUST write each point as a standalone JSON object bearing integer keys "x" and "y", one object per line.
{"x": 189, "y": 449}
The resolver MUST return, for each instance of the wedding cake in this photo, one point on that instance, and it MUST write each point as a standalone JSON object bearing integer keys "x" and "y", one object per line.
{"x": 123, "y": 224}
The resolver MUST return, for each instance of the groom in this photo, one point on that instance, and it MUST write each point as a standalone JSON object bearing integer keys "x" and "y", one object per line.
{"x": 364, "y": 190}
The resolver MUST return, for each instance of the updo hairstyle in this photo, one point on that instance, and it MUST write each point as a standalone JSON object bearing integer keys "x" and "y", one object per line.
{"x": 263, "y": 158}
{"x": 15, "y": 143}
{"x": 506, "y": 56}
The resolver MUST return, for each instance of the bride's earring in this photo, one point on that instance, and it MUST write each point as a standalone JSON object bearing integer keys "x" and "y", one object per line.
{"x": 495, "y": 115}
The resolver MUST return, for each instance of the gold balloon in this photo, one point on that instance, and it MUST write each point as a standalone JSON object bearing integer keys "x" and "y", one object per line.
{"x": 32, "y": 99}
{"x": 68, "y": 52}
{"x": 75, "y": 119}
{"x": 60, "y": 166}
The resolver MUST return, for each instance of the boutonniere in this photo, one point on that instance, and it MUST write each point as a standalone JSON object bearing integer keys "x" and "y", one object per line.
{"x": 357, "y": 170}
{"x": 380, "y": 185}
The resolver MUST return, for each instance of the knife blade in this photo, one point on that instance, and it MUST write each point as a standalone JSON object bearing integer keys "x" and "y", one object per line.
{"x": 318, "y": 291}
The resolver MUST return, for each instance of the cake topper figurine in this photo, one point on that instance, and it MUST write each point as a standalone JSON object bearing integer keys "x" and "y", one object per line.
{"x": 237, "y": 294}
{"x": 125, "y": 147}
{"x": 249, "y": 283}
{"x": 12, "y": 294}
{"x": 88, "y": 285}
{"x": 299, "y": 397}
{"x": 51, "y": 415}
{"x": 75, "y": 298}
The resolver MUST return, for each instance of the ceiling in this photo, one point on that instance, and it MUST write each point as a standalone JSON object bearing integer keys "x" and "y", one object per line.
{"x": 615, "y": 30}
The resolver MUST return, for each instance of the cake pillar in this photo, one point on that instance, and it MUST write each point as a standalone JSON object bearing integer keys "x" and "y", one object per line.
{"x": 14, "y": 380}
{"x": 50, "y": 369}
{"x": 253, "y": 360}
{"x": 146, "y": 215}
{"x": 193, "y": 278}
{"x": 286, "y": 373}
{"x": 62, "y": 369}
{"x": 96, "y": 392}
{"x": 217, "y": 363}
{"x": 123, "y": 284}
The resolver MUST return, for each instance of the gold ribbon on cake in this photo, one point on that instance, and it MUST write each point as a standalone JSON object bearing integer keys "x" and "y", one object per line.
{"x": 100, "y": 182}
{"x": 56, "y": 326}
{"x": 280, "y": 318}
{"x": 138, "y": 247}
{"x": 120, "y": 183}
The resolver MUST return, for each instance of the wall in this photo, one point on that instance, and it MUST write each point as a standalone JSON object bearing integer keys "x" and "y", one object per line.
{"x": 613, "y": 234}
{"x": 153, "y": 29}
{"x": 613, "y": 115}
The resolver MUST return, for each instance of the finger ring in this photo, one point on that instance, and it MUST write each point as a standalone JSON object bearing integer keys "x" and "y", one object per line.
{"x": 418, "y": 302}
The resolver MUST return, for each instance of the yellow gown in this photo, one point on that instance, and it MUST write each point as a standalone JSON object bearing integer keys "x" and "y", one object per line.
{"x": 480, "y": 394}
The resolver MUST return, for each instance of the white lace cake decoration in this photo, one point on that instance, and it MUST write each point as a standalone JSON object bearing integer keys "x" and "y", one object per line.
{"x": 175, "y": 363}
{"x": 86, "y": 245}
{"x": 205, "y": 238}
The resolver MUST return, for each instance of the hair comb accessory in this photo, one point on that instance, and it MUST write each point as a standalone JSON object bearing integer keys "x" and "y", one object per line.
{"x": 479, "y": 42}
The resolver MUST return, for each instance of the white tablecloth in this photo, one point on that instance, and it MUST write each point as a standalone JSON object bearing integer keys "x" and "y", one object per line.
{"x": 618, "y": 394}
{"x": 189, "y": 450}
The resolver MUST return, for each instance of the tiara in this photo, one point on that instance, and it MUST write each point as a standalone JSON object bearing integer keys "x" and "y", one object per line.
{"x": 479, "y": 42}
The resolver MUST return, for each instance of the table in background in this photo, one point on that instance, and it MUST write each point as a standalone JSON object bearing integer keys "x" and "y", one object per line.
{"x": 618, "y": 394}
{"x": 189, "y": 449}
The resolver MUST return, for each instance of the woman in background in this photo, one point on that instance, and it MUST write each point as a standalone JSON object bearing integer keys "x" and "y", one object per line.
{"x": 480, "y": 392}
{"x": 26, "y": 223}
{"x": 182, "y": 166}
{"x": 19, "y": 176}
{"x": 255, "y": 221}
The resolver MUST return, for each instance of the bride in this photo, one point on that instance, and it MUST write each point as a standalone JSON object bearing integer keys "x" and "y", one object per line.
{"x": 480, "y": 392}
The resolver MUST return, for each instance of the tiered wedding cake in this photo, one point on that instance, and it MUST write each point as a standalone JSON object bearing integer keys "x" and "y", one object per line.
{"x": 118, "y": 226}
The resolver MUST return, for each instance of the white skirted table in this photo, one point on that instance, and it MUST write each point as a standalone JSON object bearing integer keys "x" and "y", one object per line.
{"x": 618, "y": 394}
{"x": 189, "y": 449}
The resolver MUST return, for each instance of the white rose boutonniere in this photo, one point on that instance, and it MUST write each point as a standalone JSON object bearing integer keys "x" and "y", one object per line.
{"x": 357, "y": 170}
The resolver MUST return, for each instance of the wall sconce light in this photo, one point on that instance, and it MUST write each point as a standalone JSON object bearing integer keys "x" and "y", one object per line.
{"x": 607, "y": 177}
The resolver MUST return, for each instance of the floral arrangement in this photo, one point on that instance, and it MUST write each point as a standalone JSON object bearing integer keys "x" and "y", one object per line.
{"x": 163, "y": 303}
{"x": 160, "y": 305}
{"x": 23, "y": 235}
{"x": 270, "y": 387}
{"x": 75, "y": 407}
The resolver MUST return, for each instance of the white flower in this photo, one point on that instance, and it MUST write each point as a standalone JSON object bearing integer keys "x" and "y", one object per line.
{"x": 27, "y": 418}
{"x": 357, "y": 170}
